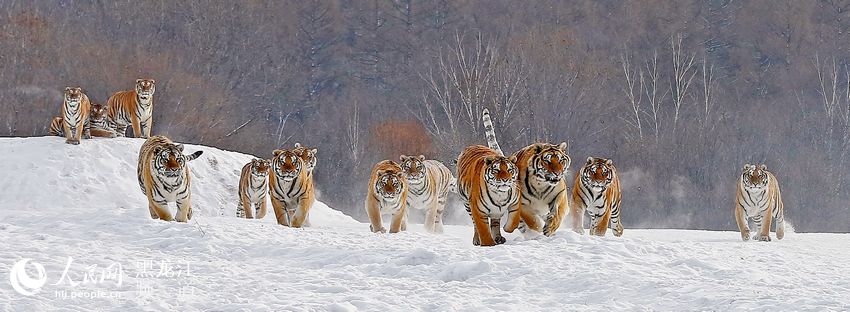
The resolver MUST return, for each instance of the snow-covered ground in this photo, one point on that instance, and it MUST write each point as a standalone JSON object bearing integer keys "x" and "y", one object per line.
{"x": 82, "y": 204}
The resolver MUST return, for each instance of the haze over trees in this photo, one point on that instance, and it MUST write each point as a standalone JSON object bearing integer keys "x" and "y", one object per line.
{"x": 681, "y": 94}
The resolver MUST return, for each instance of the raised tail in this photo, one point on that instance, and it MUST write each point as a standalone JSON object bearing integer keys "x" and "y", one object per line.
{"x": 490, "y": 133}
{"x": 194, "y": 155}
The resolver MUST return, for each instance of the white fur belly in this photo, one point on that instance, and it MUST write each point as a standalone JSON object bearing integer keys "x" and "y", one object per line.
{"x": 391, "y": 206}
{"x": 596, "y": 207}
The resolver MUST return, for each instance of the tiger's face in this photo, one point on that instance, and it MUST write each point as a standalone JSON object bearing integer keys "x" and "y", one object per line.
{"x": 308, "y": 155}
{"x": 598, "y": 173}
{"x": 73, "y": 96}
{"x": 169, "y": 160}
{"x": 259, "y": 168}
{"x": 98, "y": 112}
{"x": 145, "y": 88}
{"x": 390, "y": 183}
{"x": 501, "y": 172}
{"x": 755, "y": 176}
{"x": 551, "y": 162}
{"x": 287, "y": 165}
{"x": 414, "y": 167}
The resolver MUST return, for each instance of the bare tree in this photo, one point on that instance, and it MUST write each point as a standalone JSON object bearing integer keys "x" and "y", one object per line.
{"x": 683, "y": 75}
{"x": 653, "y": 94}
{"x": 634, "y": 83}
{"x": 708, "y": 85}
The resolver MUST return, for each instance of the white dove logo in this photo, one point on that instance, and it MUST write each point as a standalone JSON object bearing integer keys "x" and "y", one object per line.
{"x": 22, "y": 282}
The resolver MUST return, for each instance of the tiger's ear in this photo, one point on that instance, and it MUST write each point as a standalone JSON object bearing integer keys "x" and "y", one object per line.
{"x": 538, "y": 149}
{"x": 563, "y": 147}
{"x": 297, "y": 145}
{"x": 609, "y": 162}
{"x": 512, "y": 159}
{"x": 152, "y": 81}
{"x": 179, "y": 147}
{"x": 589, "y": 159}
{"x": 488, "y": 160}
{"x": 138, "y": 81}
{"x": 763, "y": 167}
{"x": 403, "y": 158}
{"x": 421, "y": 157}
{"x": 67, "y": 89}
{"x": 747, "y": 166}
{"x": 315, "y": 151}
{"x": 277, "y": 152}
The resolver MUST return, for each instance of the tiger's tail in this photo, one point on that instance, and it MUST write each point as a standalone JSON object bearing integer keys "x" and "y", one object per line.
{"x": 490, "y": 133}
{"x": 194, "y": 155}
{"x": 453, "y": 185}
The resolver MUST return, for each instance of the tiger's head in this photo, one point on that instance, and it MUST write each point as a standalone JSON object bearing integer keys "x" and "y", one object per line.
{"x": 145, "y": 88}
{"x": 550, "y": 162}
{"x": 598, "y": 173}
{"x": 169, "y": 160}
{"x": 287, "y": 165}
{"x": 98, "y": 113}
{"x": 259, "y": 168}
{"x": 390, "y": 181}
{"x": 755, "y": 176}
{"x": 500, "y": 172}
{"x": 73, "y": 96}
{"x": 414, "y": 167}
{"x": 308, "y": 155}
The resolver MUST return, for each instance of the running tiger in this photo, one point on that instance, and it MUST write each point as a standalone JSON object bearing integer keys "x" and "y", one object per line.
{"x": 253, "y": 188}
{"x": 291, "y": 188}
{"x": 597, "y": 191}
{"x": 75, "y": 115}
{"x": 487, "y": 184}
{"x": 758, "y": 198}
{"x": 97, "y": 123}
{"x": 387, "y": 194}
{"x": 133, "y": 107}
{"x": 428, "y": 187}
{"x": 542, "y": 186}
{"x": 164, "y": 177}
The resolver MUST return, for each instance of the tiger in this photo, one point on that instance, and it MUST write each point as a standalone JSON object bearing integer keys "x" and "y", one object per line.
{"x": 132, "y": 107}
{"x": 758, "y": 198}
{"x": 487, "y": 184}
{"x": 253, "y": 188}
{"x": 97, "y": 123}
{"x": 164, "y": 177}
{"x": 543, "y": 190}
{"x": 307, "y": 154}
{"x": 291, "y": 188}
{"x": 387, "y": 194}
{"x": 597, "y": 191}
{"x": 429, "y": 182}
{"x": 75, "y": 115}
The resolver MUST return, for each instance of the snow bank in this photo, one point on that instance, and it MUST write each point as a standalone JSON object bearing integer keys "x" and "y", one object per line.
{"x": 57, "y": 203}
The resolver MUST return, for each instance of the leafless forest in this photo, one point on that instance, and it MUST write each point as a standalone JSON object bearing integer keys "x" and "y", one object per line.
{"x": 681, "y": 94}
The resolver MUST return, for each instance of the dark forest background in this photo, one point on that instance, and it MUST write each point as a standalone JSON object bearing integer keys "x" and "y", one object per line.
{"x": 681, "y": 94}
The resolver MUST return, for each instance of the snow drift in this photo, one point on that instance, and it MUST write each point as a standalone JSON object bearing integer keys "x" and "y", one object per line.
{"x": 78, "y": 212}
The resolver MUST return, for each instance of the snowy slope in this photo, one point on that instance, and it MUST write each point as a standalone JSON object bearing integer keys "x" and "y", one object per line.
{"x": 59, "y": 201}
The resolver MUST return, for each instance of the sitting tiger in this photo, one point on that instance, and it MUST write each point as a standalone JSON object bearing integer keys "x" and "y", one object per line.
{"x": 132, "y": 107}
{"x": 253, "y": 188}
{"x": 597, "y": 191}
{"x": 542, "y": 186}
{"x": 758, "y": 198}
{"x": 291, "y": 188}
{"x": 164, "y": 177}
{"x": 387, "y": 194}
{"x": 428, "y": 183}
{"x": 75, "y": 115}
{"x": 97, "y": 122}
{"x": 487, "y": 184}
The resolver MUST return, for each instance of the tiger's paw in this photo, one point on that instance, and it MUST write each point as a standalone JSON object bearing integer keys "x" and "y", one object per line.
{"x": 762, "y": 238}
{"x": 72, "y": 142}
{"x": 381, "y": 230}
{"x": 745, "y": 236}
{"x": 618, "y": 231}
{"x": 500, "y": 240}
{"x": 476, "y": 242}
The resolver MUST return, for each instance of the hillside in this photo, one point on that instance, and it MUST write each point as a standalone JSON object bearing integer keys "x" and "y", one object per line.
{"x": 59, "y": 201}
